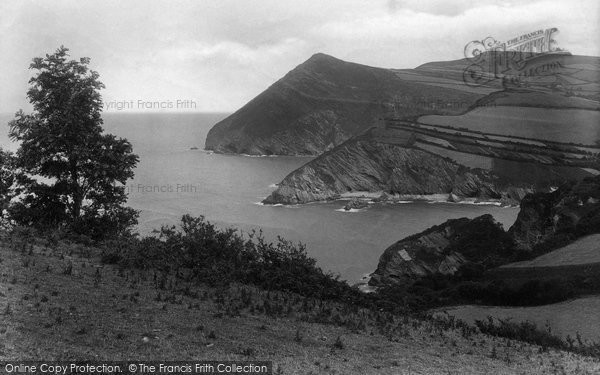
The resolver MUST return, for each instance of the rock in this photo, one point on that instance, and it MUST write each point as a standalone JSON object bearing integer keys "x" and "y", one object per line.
{"x": 382, "y": 198}
{"x": 453, "y": 198}
{"x": 443, "y": 249}
{"x": 367, "y": 165}
{"x": 559, "y": 216}
{"x": 545, "y": 222}
{"x": 355, "y": 204}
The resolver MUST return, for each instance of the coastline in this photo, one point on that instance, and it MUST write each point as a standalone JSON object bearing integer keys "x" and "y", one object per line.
{"x": 372, "y": 198}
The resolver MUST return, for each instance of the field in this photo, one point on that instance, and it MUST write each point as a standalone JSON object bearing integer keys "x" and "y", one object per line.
{"x": 560, "y": 125}
{"x": 566, "y": 318}
{"x": 541, "y": 99}
{"x": 58, "y": 301}
{"x": 579, "y": 316}
{"x": 463, "y": 158}
{"x": 455, "y": 83}
{"x": 526, "y": 161}
{"x": 585, "y": 250}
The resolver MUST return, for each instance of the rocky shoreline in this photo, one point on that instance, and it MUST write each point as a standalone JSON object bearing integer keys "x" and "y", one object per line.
{"x": 367, "y": 167}
{"x": 545, "y": 222}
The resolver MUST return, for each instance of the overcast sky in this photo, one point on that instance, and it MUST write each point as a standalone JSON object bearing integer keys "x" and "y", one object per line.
{"x": 222, "y": 53}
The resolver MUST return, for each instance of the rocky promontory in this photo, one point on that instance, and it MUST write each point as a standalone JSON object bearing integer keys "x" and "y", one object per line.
{"x": 546, "y": 221}
{"x": 443, "y": 249}
{"x": 325, "y": 101}
{"x": 366, "y": 165}
{"x": 549, "y": 220}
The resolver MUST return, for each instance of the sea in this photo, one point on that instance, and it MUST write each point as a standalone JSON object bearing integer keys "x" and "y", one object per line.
{"x": 176, "y": 176}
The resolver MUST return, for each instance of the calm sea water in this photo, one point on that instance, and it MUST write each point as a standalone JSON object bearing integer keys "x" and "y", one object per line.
{"x": 172, "y": 179}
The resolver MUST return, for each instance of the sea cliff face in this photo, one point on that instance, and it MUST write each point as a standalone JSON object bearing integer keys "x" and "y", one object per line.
{"x": 366, "y": 165}
{"x": 442, "y": 249}
{"x": 546, "y": 221}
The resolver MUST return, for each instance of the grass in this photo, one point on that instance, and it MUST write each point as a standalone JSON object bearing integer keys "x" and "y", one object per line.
{"x": 561, "y": 125}
{"x": 585, "y": 250}
{"x": 145, "y": 314}
{"x": 579, "y": 316}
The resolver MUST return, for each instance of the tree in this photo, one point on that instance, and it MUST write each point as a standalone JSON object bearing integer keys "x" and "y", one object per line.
{"x": 7, "y": 179}
{"x": 72, "y": 172}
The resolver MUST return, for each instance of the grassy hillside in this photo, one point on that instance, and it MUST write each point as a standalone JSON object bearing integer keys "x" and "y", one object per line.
{"x": 579, "y": 316}
{"x": 578, "y": 126}
{"x": 59, "y": 301}
{"x": 325, "y": 101}
{"x": 585, "y": 250}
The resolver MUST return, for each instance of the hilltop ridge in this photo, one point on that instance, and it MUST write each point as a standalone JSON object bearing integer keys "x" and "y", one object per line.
{"x": 320, "y": 104}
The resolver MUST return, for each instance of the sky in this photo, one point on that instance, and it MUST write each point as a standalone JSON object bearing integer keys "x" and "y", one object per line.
{"x": 216, "y": 55}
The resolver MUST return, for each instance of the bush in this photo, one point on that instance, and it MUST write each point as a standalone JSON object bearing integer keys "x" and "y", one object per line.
{"x": 118, "y": 221}
{"x": 219, "y": 257}
{"x": 523, "y": 331}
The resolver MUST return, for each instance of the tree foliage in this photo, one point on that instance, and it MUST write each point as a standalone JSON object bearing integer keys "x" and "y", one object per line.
{"x": 71, "y": 171}
{"x": 7, "y": 180}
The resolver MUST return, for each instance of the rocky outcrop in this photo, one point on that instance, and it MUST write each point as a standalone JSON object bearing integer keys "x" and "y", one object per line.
{"x": 364, "y": 164}
{"x": 547, "y": 220}
{"x": 443, "y": 249}
{"x": 355, "y": 204}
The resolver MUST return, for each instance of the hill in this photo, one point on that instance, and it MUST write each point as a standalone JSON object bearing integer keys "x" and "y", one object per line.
{"x": 409, "y": 158}
{"x": 585, "y": 250}
{"x": 325, "y": 101}
{"x": 61, "y": 302}
{"x": 515, "y": 138}
{"x": 570, "y": 318}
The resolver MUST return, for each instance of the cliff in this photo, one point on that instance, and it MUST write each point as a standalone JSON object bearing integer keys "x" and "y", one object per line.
{"x": 546, "y": 221}
{"x": 443, "y": 249}
{"x": 408, "y": 159}
{"x": 367, "y": 165}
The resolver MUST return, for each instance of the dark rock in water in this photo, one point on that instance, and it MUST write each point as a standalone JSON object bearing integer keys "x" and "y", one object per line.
{"x": 444, "y": 249}
{"x": 355, "y": 204}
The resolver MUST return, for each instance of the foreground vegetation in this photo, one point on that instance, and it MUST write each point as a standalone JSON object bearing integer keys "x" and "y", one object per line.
{"x": 200, "y": 262}
{"x": 62, "y": 299}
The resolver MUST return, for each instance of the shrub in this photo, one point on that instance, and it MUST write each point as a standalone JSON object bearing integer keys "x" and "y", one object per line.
{"x": 222, "y": 256}
{"x": 523, "y": 331}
